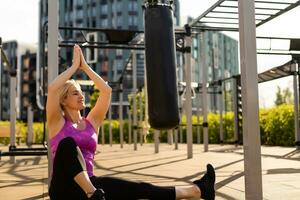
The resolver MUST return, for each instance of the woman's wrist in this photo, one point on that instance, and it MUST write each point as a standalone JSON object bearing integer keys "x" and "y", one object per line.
{"x": 74, "y": 66}
{"x": 85, "y": 67}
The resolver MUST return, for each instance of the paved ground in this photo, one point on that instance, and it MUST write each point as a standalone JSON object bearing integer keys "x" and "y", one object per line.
{"x": 27, "y": 178}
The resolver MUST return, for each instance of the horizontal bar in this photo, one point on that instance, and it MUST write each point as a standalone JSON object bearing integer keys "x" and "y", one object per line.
{"x": 257, "y": 8}
{"x": 273, "y": 2}
{"x": 231, "y": 12}
{"x": 269, "y": 2}
{"x": 103, "y": 47}
{"x": 222, "y": 6}
{"x": 28, "y": 149}
{"x": 262, "y": 8}
{"x": 280, "y": 13}
{"x": 212, "y": 22}
{"x": 95, "y": 29}
{"x": 207, "y": 28}
{"x": 20, "y": 153}
{"x": 193, "y": 22}
{"x": 217, "y": 17}
{"x": 274, "y": 53}
{"x": 224, "y": 12}
{"x": 74, "y": 41}
{"x": 100, "y": 43}
{"x": 276, "y": 38}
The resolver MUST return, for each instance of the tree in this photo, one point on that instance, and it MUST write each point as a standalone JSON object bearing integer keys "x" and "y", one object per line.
{"x": 94, "y": 97}
{"x": 283, "y": 96}
{"x": 287, "y": 95}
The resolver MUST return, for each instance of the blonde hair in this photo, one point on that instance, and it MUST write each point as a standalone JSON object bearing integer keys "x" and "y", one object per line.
{"x": 64, "y": 91}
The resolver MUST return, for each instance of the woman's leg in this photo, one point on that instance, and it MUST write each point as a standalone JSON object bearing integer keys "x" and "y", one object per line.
{"x": 69, "y": 179}
{"x": 116, "y": 188}
{"x": 187, "y": 192}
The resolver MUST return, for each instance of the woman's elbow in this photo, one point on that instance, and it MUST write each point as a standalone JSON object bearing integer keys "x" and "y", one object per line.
{"x": 50, "y": 88}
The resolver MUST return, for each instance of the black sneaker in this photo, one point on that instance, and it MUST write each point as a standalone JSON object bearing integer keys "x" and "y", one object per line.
{"x": 207, "y": 183}
{"x": 98, "y": 195}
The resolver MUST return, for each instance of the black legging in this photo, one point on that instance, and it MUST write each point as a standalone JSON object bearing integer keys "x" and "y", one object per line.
{"x": 68, "y": 163}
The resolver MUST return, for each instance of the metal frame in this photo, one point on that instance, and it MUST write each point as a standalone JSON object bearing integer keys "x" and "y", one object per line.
{"x": 223, "y": 15}
{"x": 13, "y": 150}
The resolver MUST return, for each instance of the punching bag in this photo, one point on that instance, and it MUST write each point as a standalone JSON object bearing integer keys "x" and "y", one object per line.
{"x": 161, "y": 66}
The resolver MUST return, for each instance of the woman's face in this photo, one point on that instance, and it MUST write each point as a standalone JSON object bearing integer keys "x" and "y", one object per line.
{"x": 74, "y": 99}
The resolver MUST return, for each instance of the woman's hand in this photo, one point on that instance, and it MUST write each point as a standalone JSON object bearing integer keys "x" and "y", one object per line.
{"x": 76, "y": 56}
{"x": 83, "y": 64}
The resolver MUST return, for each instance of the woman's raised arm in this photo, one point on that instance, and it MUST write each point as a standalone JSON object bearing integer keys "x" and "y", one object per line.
{"x": 53, "y": 110}
{"x": 97, "y": 114}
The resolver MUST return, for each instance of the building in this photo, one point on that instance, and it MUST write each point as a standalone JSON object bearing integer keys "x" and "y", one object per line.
{"x": 15, "y": 54}
{"x": 28, "y": 87}
{"x": 221, "y": 53}
{"x": 108, "y": 14}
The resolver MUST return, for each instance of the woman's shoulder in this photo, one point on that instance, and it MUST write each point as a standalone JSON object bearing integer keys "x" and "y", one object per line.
{"x": 55, "y": 128}
{"x": 92, "y": 122}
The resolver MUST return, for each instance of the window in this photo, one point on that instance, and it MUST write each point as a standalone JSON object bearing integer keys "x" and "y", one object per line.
{"x": 94, "y": 22}
{"x": 132, "y": 20}
{"x": 91, "y": 54}
{"x": 104, "y": 9}
{"x": 79, "y": 2}
{"x": 132, "y": 6}
{"x": 119, "y": 20}
{"x": 94, "y": 11}
{"x": 119, "y": 6}
{"x": 119, "y": 52}
{"x": 80, "y": 13}
{"x": 119, "y": 64}
{"x": 104, "y": 23}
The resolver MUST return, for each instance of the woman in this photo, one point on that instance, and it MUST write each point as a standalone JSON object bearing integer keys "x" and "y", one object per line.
{"x": 73, "y": 141}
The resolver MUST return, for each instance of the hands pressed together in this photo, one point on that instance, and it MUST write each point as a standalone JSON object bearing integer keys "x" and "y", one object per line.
{"x": 78, "y": 59}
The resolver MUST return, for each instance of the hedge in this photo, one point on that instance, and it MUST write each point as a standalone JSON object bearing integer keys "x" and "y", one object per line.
{"x": 276, "y": 128}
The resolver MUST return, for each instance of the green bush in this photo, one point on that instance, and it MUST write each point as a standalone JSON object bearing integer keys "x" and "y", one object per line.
{"x": 276, "y": 128}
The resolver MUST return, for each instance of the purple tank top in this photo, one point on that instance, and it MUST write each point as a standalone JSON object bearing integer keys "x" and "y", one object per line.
{"x": 86, "y": 140}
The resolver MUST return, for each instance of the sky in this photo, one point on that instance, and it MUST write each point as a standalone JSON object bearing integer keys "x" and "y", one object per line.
{"x": 19, "y": 20}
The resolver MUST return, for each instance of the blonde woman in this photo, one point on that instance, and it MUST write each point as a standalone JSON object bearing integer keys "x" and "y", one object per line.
{"x": 73, "y": 141}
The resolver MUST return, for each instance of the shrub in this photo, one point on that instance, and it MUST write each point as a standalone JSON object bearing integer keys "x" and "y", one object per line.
{"x": 276, "y": 128}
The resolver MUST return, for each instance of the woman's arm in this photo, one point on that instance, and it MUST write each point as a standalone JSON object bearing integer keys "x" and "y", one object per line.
{"x": 97, "y": 114}
{"x": 53, "y": 110}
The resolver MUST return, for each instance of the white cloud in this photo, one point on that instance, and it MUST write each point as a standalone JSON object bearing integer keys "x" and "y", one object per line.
{"x": 19, "y": 20}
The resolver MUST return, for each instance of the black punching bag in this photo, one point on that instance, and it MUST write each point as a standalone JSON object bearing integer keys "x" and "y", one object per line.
{"x": 161, "y": 66}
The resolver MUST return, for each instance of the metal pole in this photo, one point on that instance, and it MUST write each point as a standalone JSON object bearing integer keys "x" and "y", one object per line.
{"x": 170, "y": 137}
{"x": 129, "y": 126}
{"x": 188, "y": 99}
{"x": 1, "y": 72}
{"x": 141, "y": 120}
{"x": 30, "y": 127}
{"x": 198, "y": 117}
{"x": 221, "y": 113}
{"x": 134, "y": 78}
{"x": 156, "y": 141}
{"x": 121, "y": 115}
{"x": 52, "y": 59}
{"x": 296, "y": 105}
{"x": 180, "y": 127}
{"x": 110, "y": 127}
{"x": 251, "y": 135}
{"x": 235, "y": 109}
{"x": 102, "y": 134}
{"x": 204, "y": 90}
{"x": 146, "y": 99}
{"x": 176, "y": 138}
{"x": 13, "y": 91}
